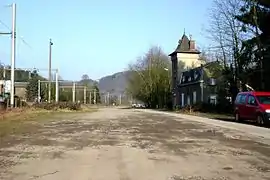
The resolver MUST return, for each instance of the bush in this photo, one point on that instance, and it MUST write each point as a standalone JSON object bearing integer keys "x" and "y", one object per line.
{"x": 60, "y": 105}
{"x": 70, "y": 106}
{"x": 18, "y": 102}
{"x": 222, "y": 108}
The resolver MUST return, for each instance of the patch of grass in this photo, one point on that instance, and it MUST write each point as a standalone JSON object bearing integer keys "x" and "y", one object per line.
{"x": 85, "y": 108}
{"x": 224, "y": 117}
{"x": 215, "y": 115}
{"x": 19, "y": 121}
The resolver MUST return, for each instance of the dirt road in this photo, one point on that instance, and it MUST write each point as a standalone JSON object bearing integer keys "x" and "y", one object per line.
{"x": 125, "y": 144}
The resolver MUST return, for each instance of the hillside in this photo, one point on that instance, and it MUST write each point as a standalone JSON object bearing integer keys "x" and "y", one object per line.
{"x": 115, "y": 84}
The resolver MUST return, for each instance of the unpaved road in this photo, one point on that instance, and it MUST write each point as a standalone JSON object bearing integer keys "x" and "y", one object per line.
{"x": 125, "y": 144}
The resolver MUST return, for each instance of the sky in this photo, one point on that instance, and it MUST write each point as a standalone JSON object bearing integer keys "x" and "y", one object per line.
{"x": 97, "y": 38}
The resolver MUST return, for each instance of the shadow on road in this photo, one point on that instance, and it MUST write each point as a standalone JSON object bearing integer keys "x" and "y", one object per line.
{"x": 125, "y": 108}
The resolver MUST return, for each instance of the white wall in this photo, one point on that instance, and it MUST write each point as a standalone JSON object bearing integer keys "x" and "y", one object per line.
{"x": 190, "y": 60}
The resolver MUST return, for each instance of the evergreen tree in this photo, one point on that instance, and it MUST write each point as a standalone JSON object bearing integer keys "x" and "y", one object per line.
{"x": 256, "y": 15}
{"x": 32, "y": 87}
{"x": 95, "y": 87}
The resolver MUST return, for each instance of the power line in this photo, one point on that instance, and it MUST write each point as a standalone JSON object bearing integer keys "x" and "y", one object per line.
{"x": 25, "y": 43}
{"x": 21, "y": 38}
{"x": 7, "y": 6}
{"x": 6, "y": 26}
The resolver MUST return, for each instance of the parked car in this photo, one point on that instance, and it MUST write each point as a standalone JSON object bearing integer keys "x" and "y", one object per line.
{"x": 138, "y": 105}
{"x": 253, "y": 106}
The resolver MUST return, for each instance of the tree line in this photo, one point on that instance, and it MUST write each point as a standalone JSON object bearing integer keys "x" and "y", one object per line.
{"x": 240, "y": 41}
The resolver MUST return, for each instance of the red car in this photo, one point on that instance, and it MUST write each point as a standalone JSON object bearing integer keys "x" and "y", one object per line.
{"x": 253, "y": 106}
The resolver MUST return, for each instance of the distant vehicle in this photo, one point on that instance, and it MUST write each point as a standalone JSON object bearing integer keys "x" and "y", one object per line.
{"x": 138, "y": 105}
{"x": 253, "y": 106}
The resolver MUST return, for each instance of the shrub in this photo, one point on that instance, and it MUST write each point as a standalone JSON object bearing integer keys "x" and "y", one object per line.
{"x": 18, "y": 102}
{"x": 70, "y": 106}
{"x": 60, "y": 105}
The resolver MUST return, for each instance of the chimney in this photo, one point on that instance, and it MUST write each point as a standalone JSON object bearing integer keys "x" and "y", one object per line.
{"x": 191, "y": 43}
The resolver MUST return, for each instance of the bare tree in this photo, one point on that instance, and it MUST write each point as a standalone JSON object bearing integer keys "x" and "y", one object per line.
{"x": 150, "y": 81}
{"x": 227, "y": 36}
{"x": 207, "y": 55}
{"x": 226, "y": 31}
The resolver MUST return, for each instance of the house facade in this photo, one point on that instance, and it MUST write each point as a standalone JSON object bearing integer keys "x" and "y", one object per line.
{"x": 197, "y": 86}
{"x": 185, "y": 56}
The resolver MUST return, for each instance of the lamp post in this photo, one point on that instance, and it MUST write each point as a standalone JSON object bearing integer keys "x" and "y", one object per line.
{"x": 50, "y": 70}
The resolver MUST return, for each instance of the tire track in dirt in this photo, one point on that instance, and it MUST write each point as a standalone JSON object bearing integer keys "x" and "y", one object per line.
{"x": 121, "y": 166}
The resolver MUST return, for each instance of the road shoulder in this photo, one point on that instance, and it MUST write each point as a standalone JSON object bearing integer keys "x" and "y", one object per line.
{"x": 259, "y": 132}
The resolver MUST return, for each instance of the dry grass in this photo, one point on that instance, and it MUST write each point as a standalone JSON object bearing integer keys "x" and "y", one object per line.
{"x": 228, "y": 117}
{"x": 88, "y": 108}
{"x": 19, "y": 120}
{"x": 26, "y": 120}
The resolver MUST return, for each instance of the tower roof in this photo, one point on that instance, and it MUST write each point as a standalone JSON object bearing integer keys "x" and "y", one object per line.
{"x": 184, "y": 46}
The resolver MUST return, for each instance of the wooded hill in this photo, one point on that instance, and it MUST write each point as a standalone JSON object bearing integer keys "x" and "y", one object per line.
{"x": 20, "y": 75}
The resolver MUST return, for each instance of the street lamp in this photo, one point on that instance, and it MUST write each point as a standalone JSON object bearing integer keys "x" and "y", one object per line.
{"x": 50, "y": 69}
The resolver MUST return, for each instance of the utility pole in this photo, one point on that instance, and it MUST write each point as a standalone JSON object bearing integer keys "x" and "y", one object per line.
{"x": 73, "y": 92}
{"x": 29, "y": 74}
{"x": 4, "y": 78}
{"x": 50, "y": 70}
{"x": 108, "y": 98}
{"x": 39, "y": 91}
{"x": 56, "y": 86}
{"x": 95, "y": 96}
{"x": 90, "y": 98}
{"x": 120, "y": 99}
{"x": 4, "y": 73}
{"x": 13, "y": 54}
{"x": 84, "y": 95}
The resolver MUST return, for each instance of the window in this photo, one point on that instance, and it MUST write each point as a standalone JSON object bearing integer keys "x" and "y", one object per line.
{"x": 213, "y": 99}
{"x": 263, "y": 99}
{"x": 251, "y": 100}
{"x": 188, "y": 100}
{"x": 243, "y": 99}
{"x": 194, "y": 97}
{"x": 237, "y": 100}
{"x": 182, "y": 99}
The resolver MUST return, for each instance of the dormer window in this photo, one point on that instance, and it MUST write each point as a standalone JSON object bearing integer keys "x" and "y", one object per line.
{"x": 196, "y": 75}
{"x": 183, "y": 79}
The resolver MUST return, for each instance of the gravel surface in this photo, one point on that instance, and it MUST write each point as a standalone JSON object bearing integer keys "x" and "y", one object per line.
{"x": 127, "y": 144}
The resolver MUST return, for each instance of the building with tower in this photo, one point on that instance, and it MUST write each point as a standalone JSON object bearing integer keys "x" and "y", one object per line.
{"x": 188, "y": 74}
{"x": 184, "y": 56}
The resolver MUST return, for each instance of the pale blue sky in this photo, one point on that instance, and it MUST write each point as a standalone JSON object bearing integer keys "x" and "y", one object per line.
{"x": 101, "y": 37}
